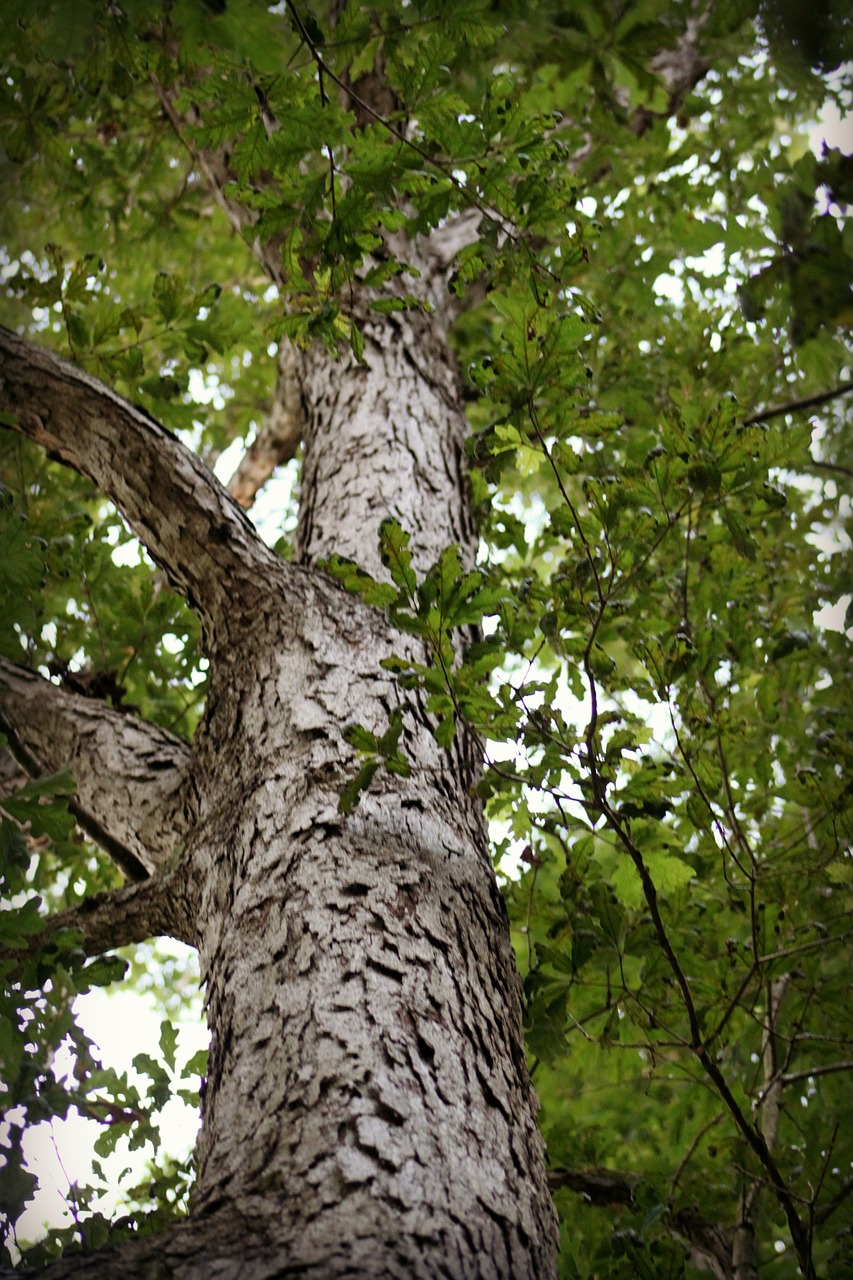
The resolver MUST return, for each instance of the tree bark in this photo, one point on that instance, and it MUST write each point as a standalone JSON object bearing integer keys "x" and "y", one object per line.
{"x": 368, "y": 1110}
{"x": 131, "y": 778}
{"x": 192, "y": 528}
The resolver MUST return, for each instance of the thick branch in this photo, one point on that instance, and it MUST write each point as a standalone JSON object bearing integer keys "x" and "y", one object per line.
{"x": 130, "y": 776}
{"x": 597, "y": 1186}
{"x": 192, "y": 528}
{"x": 134, "y": 913}
{"x": 278, "y": 440}
{"x": 219, "y": 1245}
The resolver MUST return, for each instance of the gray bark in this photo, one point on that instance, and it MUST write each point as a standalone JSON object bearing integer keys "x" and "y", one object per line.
{"x": 130, "y": 777}
{"x": 384, "y": 438}
{"x": 192, "y": 528}
{"x": 368, "y": 1110}
{"x": 160, "y": 906}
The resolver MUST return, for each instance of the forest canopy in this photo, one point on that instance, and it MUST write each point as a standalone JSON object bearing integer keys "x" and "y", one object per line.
{"x": 647, "y": 255}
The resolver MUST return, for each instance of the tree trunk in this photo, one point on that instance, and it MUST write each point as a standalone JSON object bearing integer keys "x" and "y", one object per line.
{"x": 368, "y": 1107}
{"x": 368, "y": 1110}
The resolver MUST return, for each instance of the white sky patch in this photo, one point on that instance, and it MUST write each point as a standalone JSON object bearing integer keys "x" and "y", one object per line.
{"x": 272, "y": 512}
{"x": 123, "y": 1024}
{"x": 205, "y": 389}
{"x": 835, "y": 128}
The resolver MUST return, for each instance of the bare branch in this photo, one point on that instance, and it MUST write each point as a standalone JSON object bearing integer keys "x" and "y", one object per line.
{"x": 689, "y": 1154}
{"x": 795, "y": 406}
{"x": 824, "y": 1214}
{"x": 130, "y": 776}
{"x": 744, "y": 1252}
{"x": 598, "y": 1186}
{"x": 192, "y": 528}
{"x": 806, "y": 1074}
{"x": 278, "y": 440}
{"x": 835, "y": 467}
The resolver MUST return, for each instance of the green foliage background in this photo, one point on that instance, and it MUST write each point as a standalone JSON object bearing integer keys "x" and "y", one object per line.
{"x": 668, "y": 729}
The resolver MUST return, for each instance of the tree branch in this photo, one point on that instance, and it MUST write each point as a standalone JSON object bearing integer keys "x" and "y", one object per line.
{"x": 192, "y": 528}
{"x": 130, "y": 776}
{"x": 158, "y": 907}
{"x": 278, "y": 440}
{"x": 597, "y": 1186}
{"x": 794, "y": 406}
{"x": 824, "y": 1214}
{"x": 829, "y": 1068}
{"x": 215, "y": 165}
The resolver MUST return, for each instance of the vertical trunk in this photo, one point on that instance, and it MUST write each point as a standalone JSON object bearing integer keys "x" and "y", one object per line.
{"x": 385, "y": 438}
{"x": 368, "y": 1109}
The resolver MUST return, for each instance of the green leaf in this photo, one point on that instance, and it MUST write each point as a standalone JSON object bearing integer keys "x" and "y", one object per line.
{"x": 350, "y": 793}
{"x": 168, "y": 1043}
{"x": 396, "y": 556}
{"x": 668, "y": 873}
{"x": 744, "y": 543}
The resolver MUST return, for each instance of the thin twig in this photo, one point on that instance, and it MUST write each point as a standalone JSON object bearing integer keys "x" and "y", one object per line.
{"x": 793, "y": 406}
{"x": 791, "y": 1077}
{"x": 488, "y": 210}
{"x": 688, "y": 1156}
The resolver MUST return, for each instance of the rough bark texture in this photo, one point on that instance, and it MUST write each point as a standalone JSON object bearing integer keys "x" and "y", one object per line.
{"x": 160, "y": 906}
{"x": 192, "y": 528}
{"x": 366, "y": 1073}
{"x": 368, "y": 1110}
{"x": 384, "y": 438}
{"x": 130, "y": 777}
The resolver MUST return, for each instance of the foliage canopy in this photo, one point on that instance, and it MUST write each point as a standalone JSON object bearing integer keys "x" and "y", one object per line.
{"x": 661, "y": 271}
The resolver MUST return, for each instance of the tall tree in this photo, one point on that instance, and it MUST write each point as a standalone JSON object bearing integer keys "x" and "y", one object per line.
{"x": 560, "y": 513}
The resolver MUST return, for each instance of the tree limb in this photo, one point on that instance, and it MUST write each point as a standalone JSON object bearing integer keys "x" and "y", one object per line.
{"x": 158, "y": 907}
{"x": 179, "y": 511}
{"x": 277, "y": 442}
{"x": 794, "y": 406}
{"x": 216, "y": 167}
{"x": 744, "y": 1251}
{"x": 130, "y": 776}
{"x": 824, "y": 1214}
{"x": 791, "y": 1077}
{"x": 597, "y": 1186}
